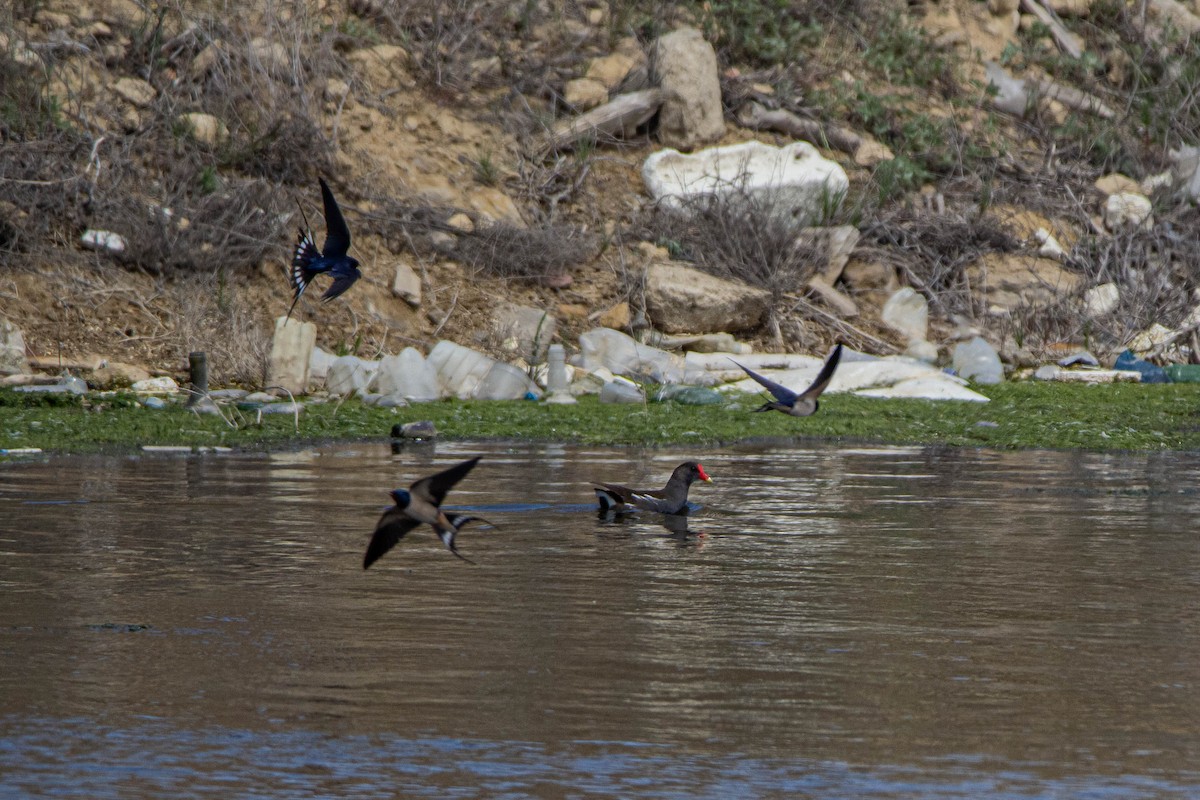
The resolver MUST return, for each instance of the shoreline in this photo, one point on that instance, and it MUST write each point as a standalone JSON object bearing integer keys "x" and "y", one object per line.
{"x": 1023, "y": 415}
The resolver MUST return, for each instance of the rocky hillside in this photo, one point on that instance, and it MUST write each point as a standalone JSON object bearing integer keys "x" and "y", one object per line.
{"x": 1028, "y": 170}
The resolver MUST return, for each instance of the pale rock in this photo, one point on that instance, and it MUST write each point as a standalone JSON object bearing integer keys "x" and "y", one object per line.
{"x": 586, "y": 383}
{"x": 1010, "y": 280}
{"x": 207, "y": 59}
{"x": 271, "y": 54}
{"x": 685, "y": 68}
{"x": 318, "y": 366}
{"x": 98, "y": 30}
{"x": 52, "y": 20}
{"x": 204, "y": 128}
{"x": 610, "y": 70}
{"x": 123, "y": 13}
{"x": 379, "y": 64}
{"x": 407, "y": 376}
{"x": 836, "y": 242}
{"x": 1070, "y": 8}
{"x": 684, "y": 300}
{"x": 336, "y": 90}
{"x": 135, "y": 91}
{"x": 116, "y": 373}
{"x": 623, "y": 355}
{"x": 103, "y": 240}
{"x": 12, "y": 349}
{"x": 350, "y": 374}
{"x": 596, "y": 16}
{"x": 617, "y": 317}
{"x": 529, "y": 329}
{"x": 872, "y": 153}
{"x": 907, "y": 313}
{"x": 926, "y": 388}
{"x": 1116, "y": 183}
{"x": 1154, "y": 336}
{"x": 1011, "y": 95}
{"x": 793, "y": 182}
{"x": 1127, "y": 210}
{"x": 873, "y": 280}
{"x": 483, "y": 69}
{"x": 1153, "y": 183}
{"x": 893, "y": 376}
{"x": 259, "y": 397}
{"x": 1101, "y": 300}
{"x": 1051, "y": 372}
{"x": 407, "y": 285}
{"x": 977, "y": 361}
{"x": 1003, "y": 8}
{"x": 461, "y": 223}
{"x": 162, "y": 385}
{"x": 470, "y": 375}
{"x": 1048, "y": 245}
{"x": 577, "y": 312}
{"x": 1186, "y": 171}
{"x": 835, "y": 300}
{"x": 585, "y": 94}
{"x": 289, "y": 407}
{"x": 291, "y": 353}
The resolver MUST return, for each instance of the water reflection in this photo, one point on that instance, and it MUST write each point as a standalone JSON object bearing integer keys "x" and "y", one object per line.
{"x": 868, "y": 622}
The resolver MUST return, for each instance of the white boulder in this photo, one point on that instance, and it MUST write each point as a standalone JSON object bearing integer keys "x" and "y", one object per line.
{"x": 350, "y": 374}
{"x": 794, "y": 182}
{"x": 907, "y": 313}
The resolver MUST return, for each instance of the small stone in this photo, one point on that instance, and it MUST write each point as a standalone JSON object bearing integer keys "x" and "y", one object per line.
{"x": 336, "y": 89}
{"x": 1101, "y": 300}
{"x": 52, "y": 20}
{"x": 616, "y": 317}
{"x": 922, "y": 350}
{"x": 1050, "y": 248}
{"x": 135, "y": 91}
{"x": 271, "y": 54}
{"x": 228, "y": 394}
{"x": 407, "y": 285}
{"x": 154, "y": 402}
{"x": 611, "y": 69}
{"x": 1116, "y": 183}
{"x": 162, "y": 385}
{"x": 442, "y": 241}
{"x": 585, "y": 94}
{"x": 1127, "y": 210}
{"x": 103, "y": 240}
{"x": 204, "y": 128}
{"x": 282, "y": 408}
{"x": 574, "y": 312}
{"x": 461, "y": 223}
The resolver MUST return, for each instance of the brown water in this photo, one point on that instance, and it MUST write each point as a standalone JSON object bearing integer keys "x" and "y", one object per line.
{"x": 839, "y": 622}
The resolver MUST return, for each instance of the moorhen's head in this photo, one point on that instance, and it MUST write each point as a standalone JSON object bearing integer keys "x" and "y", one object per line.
{"x": 689, "y": 472}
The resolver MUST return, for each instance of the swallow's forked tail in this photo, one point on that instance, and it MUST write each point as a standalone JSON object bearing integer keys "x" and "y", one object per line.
{"x": 302, "y": 272}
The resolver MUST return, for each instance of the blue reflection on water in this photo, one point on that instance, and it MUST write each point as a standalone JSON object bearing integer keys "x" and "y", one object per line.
{"x": 81, "y": 757}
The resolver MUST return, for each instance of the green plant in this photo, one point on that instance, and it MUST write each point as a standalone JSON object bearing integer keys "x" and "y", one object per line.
{"x": 208, "y": 180}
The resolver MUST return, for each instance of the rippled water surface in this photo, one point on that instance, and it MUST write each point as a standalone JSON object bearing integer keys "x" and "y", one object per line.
{"x": 829, "y": 622}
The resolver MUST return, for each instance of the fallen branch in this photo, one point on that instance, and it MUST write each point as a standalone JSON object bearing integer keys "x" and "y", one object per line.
{"x": 754, "y": 115}
{"x": 620, "y": 117}
{"x": 1068, "y": 42}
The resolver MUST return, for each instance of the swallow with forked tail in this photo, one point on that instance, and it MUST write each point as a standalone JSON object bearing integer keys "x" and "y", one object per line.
{"x": 332, "y": 259}
{"x": 421, "y": 503}
{"x": 803, "y": 404}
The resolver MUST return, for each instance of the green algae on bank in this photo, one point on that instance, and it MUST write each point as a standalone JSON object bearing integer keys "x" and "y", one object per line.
{"x": 1020, "y": 415}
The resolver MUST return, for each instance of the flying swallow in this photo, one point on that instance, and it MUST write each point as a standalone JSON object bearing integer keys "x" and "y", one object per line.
{"x": 787, "y": 401}
{"x": 421, "y": 503}
{"x": 308, "y": 261}
{"x": 671, "y": 499}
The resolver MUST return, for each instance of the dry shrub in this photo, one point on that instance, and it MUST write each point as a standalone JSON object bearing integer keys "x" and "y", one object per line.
{"x": 215, "y": 319}
{"x": 933, "y": 252}
{"x": 516, "y": 253}
{"x": 742, "y": 237}
{"x": 1157, "y": 273}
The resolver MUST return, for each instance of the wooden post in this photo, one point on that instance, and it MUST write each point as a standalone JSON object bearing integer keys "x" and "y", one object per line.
{"x": 198, "y": 376}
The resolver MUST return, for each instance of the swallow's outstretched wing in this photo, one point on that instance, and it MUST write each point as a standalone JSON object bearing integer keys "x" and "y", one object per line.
{"x": 337, "y": 235}
{"x": 433, "y": 489}
{"x": 781, "y": 393}
{"x": 392, "y": 527}
{"x": 823, "y": 377}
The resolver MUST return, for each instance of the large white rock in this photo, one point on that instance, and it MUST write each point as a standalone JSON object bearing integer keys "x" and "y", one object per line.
{"x": 1101, "y": 300}
{"x": 12, "y": 350}
{"x": 685, "y": 68}
{"x": 470, "y": 375}
{"x": 407, "y": 376}
{"x": 318, "y": 365}
{"x": 291, "y": 352}
{"x": 794, "y": 182}
{"x": 684, "y": 300}
{"x": 870, "y": 377}
{"x": 1127, "y": 210}
{"x": 907, "y": 313}
{"x": 623, "y": 355}
{"x": 350, "y": 374}
{"x": 1186, "y": 170}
